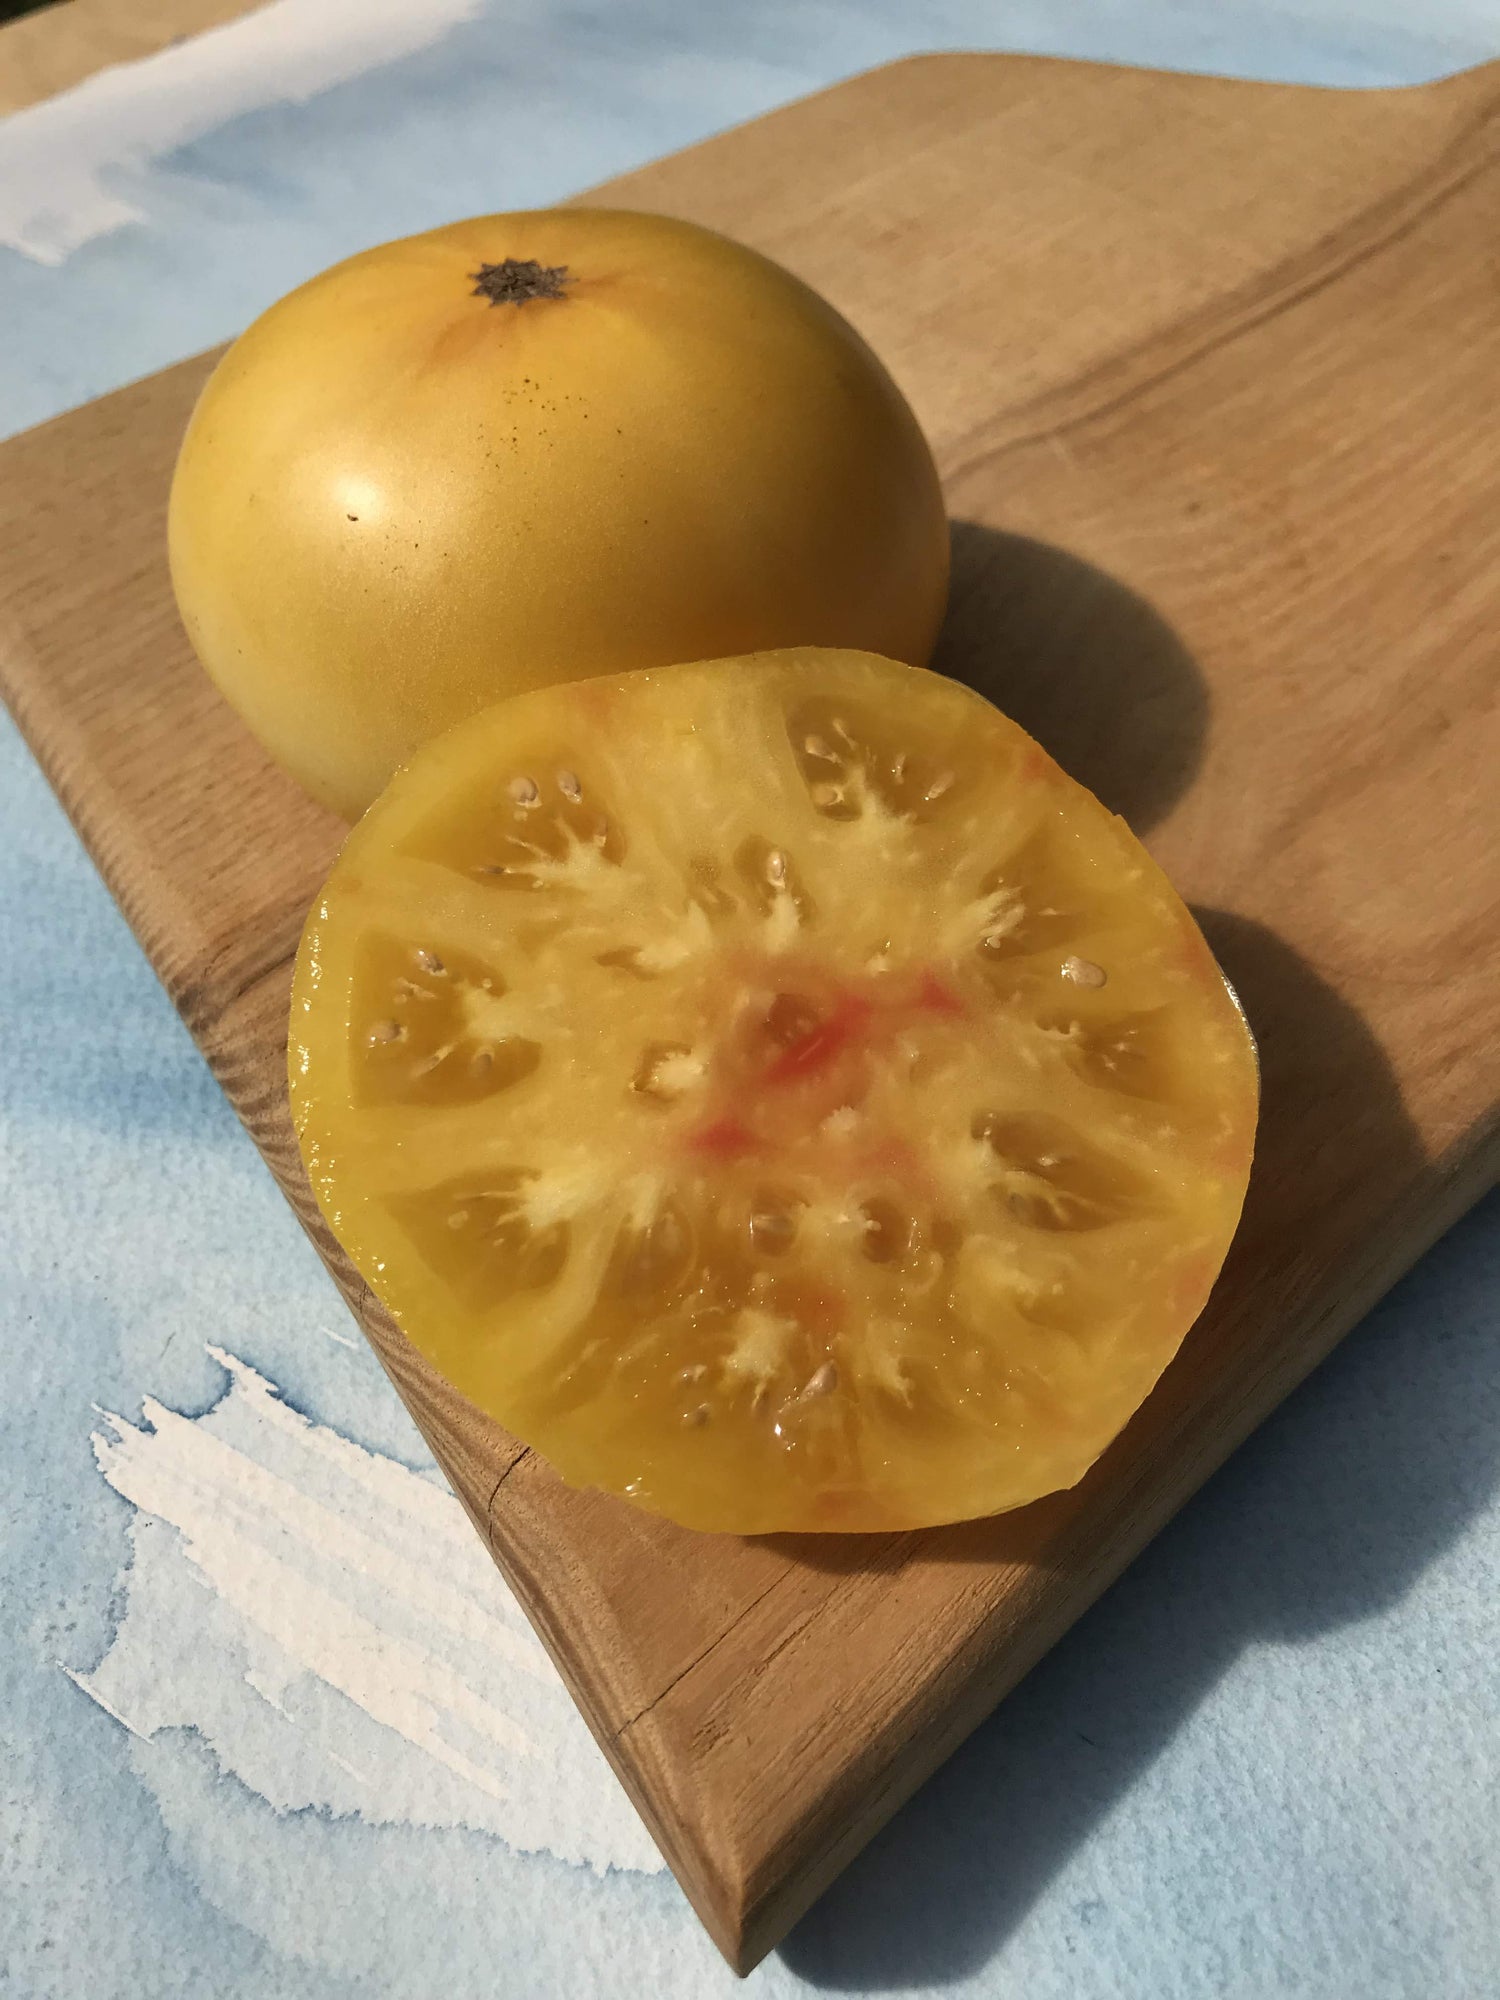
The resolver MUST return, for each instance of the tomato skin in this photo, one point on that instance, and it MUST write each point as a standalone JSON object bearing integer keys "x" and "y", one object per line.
{"x": 398, "y": 502}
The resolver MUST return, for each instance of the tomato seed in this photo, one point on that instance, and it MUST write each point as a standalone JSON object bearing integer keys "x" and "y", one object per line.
{"x": 1084, "y": 972}
{"x": 384, "y": 1031}
{"x": 569, "y": 786}
{"x": 523, "y": 791}
{"x": 772, "y": 1231}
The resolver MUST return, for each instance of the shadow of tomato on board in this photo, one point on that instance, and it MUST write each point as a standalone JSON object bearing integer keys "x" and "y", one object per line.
{"x": 1082, "y": 662}
{"x": 1331, "y": 1512}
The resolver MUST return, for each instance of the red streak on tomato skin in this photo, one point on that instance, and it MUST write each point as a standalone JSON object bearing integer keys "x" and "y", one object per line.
{"x": 813, "y": 1052}
{"x": 724, "y": 1139}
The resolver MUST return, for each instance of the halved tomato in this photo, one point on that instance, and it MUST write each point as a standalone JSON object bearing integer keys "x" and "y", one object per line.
{"x": 774, "y": 1090}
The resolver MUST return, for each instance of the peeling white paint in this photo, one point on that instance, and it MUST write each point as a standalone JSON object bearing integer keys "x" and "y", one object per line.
{"x": 329, "y": 1623}
{"x": 61, "y": 161}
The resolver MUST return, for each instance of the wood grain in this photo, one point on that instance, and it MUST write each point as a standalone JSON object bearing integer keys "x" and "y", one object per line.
{"x": 1209, "y": 368}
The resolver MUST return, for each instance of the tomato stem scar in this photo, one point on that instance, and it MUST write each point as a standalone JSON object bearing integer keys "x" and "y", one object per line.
{"x": 515, "y": 280}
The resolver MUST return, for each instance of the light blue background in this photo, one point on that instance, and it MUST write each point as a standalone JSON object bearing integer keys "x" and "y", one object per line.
{"x": 1265, "y": 1764}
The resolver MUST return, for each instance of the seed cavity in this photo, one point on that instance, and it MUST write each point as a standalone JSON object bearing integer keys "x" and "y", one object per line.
{"x": 707, "y": 893}
{"x": 773, "y": 1229}
{"x": 1084, "y": 972}
{"x": 654, "y": 1260}
{"x": 476, "y": 1237}
{"x": 1050, "y": 1179}
{"x": 887, "y": 1232}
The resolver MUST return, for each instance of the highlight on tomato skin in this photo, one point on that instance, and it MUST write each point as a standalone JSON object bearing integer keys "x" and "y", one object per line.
{"x": 526, "y": 447}
{"x": 774, "y": 1090}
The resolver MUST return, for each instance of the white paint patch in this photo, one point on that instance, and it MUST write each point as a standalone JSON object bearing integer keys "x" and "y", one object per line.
{"x": 60, "y": 160}
{"x": 331, "y": 1625}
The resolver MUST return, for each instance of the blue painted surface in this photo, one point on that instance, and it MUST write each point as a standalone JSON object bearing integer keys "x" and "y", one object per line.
{"x": 1263, "y": 1765}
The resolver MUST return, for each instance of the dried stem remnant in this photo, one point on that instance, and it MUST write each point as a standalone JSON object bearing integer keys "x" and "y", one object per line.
{"x": 517, "y": 280}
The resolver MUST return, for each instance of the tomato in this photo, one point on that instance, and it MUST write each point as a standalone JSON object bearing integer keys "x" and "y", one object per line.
{"x": 529, "y": 448}
{"x": 774, "y": 1090}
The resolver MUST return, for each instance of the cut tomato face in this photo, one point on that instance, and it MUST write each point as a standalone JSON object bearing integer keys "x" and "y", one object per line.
{"x": 774, "y": 1090}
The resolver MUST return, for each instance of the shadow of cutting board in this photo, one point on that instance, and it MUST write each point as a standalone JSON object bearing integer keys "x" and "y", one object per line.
{"x": 1210, "y": 369}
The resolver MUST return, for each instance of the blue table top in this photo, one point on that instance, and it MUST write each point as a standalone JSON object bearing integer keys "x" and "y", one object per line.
{"x": 270, "y": 1725}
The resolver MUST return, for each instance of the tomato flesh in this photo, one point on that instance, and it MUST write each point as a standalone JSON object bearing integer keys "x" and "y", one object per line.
{"x": 773, "y": 1090}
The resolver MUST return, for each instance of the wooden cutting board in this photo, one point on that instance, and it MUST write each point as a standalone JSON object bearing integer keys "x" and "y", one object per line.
{"x": 1210, "y": 369}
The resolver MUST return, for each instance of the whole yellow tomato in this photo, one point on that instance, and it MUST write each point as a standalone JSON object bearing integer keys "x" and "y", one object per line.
{"x": 531, "y": 448}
